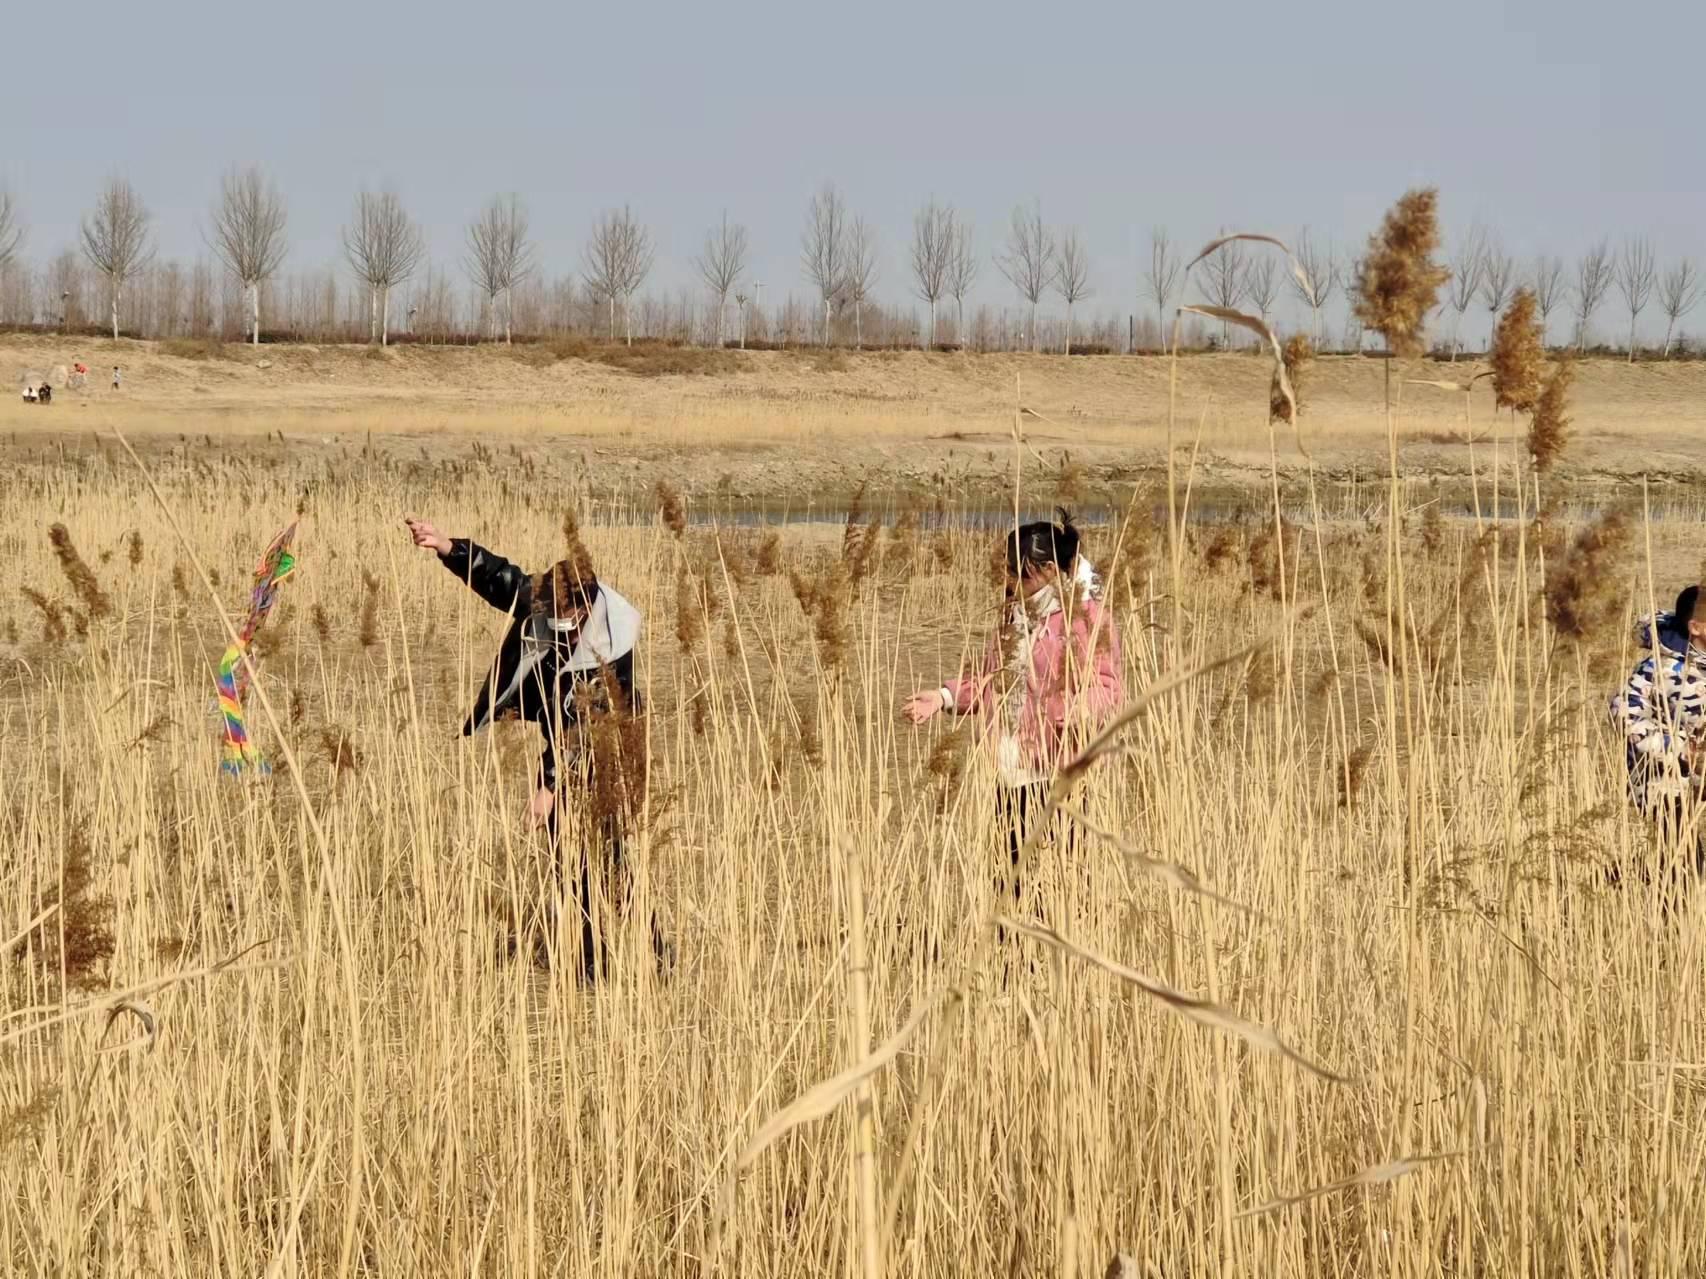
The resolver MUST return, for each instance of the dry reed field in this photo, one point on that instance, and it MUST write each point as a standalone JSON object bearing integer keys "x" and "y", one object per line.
{"x": 1319, "y": 973}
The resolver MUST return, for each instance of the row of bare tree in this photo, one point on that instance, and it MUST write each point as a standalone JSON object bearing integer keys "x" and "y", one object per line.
{"x": 385, "y": 249}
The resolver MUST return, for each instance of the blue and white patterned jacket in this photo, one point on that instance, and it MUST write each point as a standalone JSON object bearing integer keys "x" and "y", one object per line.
{"x": 1660, "y": 711}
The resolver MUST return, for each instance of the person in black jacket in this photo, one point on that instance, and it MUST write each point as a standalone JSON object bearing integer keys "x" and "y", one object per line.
{"x": 566, "y": 664}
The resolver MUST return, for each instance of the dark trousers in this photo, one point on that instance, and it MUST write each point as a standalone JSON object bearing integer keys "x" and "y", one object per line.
{"x": 604, "y": 842}
{"x": 1678, "y": 851}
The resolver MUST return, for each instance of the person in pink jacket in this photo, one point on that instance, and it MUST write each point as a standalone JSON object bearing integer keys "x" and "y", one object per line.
{"x": 1050, "y": 677}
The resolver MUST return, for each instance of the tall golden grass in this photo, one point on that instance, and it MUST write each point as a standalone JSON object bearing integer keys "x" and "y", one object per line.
{"x": 1328, "y": 980}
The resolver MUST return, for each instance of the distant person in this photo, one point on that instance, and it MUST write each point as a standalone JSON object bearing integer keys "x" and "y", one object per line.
{"x": 1049, "y": 678}
{"x": 29, "y": 393}
{"x": 115, "y": 377}
{"x": 79, "y": 367}
{"x": 567, "y": 665}
{"x": 45, "y": 394}
{"x": 1661, "y": 713}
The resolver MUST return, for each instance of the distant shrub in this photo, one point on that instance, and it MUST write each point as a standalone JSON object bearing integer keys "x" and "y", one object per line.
{"x": 209, "y": 348}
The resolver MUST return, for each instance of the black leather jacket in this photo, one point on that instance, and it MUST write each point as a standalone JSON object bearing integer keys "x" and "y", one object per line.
{"x": 530, "y": 678}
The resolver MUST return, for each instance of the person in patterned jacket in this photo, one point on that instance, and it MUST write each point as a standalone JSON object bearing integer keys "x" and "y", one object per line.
{"x": 1661, "y": 713}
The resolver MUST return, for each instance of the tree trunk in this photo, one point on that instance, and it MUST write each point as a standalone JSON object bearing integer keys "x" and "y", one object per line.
{"x": 743, "y": 327}
{"x": 628, "y": 316}
{"x": 1669, "y": 329}
{"x": 722, "y": 305}
{"x": 858, "y": 326}
{"x": 255, "y": 313}
{"x": 1632, "y": 316}
{"x": 1069, "y": 328}
{"x": 115, "y": 312}
{"x": 372, "y": 313}
{"x": 826, "y": 321}
{"x": 509, "y": 315}
{"x": 960, "y": 322}
{"x": 385, "y": 319}
{"x": 1033, "y": 324}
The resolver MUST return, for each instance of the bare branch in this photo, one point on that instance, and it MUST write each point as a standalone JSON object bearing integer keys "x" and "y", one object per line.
{"x": 1679, "y": 293}
{"x": 1029, "y": 260}
{"x": 1072, "y": 277}
{"x": 933, "y": 243}
{"x": 11, "y": 227}
{"x": 1549, "y": 286}
{"x": 115, "y": 239}
{"x": 963, "y": 268}
{"x": 617, "y": 260}
{"x": 861, "y": 274}
{"x": 1264, "y": 284}
{"x": 1468, "y": 269}
{"x": 823, "y": 247}
{"x": 1498, "y": 278}
{"x": 499, "y": 257}
{"x": 1320, "y": 278}
{"x": 1636, "y": 276}
{"x": 248, "y": 234}
{"x": 1594, "y": 271}
{"x": 1226, "y": 279}
{"x": 384, "y": 247}
{"x": 1161, "y": 281}
{"x": 721, "y": 263}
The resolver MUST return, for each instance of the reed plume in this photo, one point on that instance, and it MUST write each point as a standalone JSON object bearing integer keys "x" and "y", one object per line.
{"x": 1397, "y": 281}
{"x": 670, "y": 508}
{"x": 1549, "y": 427}
{"x": 1584, "y": 595}
{"x": 1518, "y": 355}
{"x": 84, "y": 584}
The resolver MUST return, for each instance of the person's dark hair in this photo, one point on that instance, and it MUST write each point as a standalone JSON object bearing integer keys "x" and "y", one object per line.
{"x": 566, "y": 586}
{"x": 1041, "y": 543}
{"x": 1685, "y": 603}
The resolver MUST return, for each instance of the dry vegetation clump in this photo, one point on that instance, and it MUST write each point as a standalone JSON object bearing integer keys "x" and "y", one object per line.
{"x": 1586, "y": 593}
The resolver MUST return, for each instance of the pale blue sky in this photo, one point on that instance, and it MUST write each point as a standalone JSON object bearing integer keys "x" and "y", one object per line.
{"x": 1553, "y": 122}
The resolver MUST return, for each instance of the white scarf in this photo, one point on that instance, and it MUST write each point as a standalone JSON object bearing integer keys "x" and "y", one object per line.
{"x": 612, "y": 629}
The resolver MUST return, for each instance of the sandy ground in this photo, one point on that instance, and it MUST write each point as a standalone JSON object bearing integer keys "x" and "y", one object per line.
{"x": 788, "y": 426}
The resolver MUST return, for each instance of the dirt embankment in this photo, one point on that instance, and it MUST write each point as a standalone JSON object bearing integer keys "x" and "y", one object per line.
{"x": 784, "y": 426}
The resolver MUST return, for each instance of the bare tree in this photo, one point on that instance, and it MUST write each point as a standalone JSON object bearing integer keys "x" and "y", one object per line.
{"x": 1029, "y": 262}
{"x": 1593, "y": 278}
{"x": 384, "y": 246}
{"x": 1072, "y": 277}
{"x": 1679, "y": 293}
{"x": 11, "y": 228}
{"x": 1320, "y": 278}
{"x": 1499, "y": 279}
{"x": 1161, "y": 281}
{"x": 617, "y": 259}
{"x": 861, "y": 274}
{"x": 499, "y": 257}
{"x": 1549, "y": 288}
{"x": 1264, "y": 284}
{"x": 824, "y": 247}
{"x": 933, "y": 239}
{"x": 1636, "y": 276}
{"x": 721, "y": 263}
{"x": 1468, "y": 269}
{"x": 115, "y": 239}
{"x": 248, "y": 235}
{"x": 1226, "y": 279}
{"x": 963, "y": 266}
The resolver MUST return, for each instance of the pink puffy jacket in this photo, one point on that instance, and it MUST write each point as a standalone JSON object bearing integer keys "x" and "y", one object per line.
{"x": 1080, "y": 692}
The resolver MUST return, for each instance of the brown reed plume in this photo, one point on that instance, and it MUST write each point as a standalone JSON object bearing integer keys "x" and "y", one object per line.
{"x": 368, "y": 635}
{"x": 1397, "y": 281}
{"x": 1519, "y": 353}
{"x": 1584, "y": 595}
{"x": 84, "y": 584}
{"x": 768, "y": 562}
{"x": 133, "y": 546}
{"x": 84, "y": 938}
{"x": 52, "y": 616}
{"x": 1549, "y": 427}
{"x": 321, "y": 623}
{"x": 180, "y": 583}
{"x": 689, "y": 610}
{"x": 670, "y": 508}
{"x": 338, "y": 748}
{"x": 1297, "y": 357}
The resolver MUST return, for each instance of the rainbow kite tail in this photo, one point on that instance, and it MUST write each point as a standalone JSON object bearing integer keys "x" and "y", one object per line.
{"x": 239, "y": 752}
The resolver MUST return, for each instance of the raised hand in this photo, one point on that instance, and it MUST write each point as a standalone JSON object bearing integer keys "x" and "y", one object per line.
{"x": 427, "y": 536}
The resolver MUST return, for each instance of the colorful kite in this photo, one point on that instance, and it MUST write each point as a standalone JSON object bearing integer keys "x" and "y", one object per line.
{"x": 233, "y": 680}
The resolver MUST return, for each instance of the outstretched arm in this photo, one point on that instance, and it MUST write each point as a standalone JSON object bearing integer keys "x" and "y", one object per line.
{"x": 493, "y": 578}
